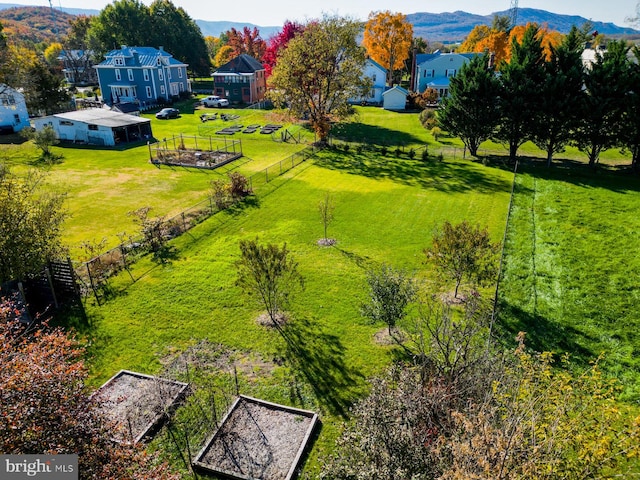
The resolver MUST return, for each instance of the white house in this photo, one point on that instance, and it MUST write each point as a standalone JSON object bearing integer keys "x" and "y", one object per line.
{"x": 395, "y": 98}
{"x": 378, "y": 76}
{"x": 97, "y": 126}
{"x": 13, "y": 110}
{"x": 433, "y": 70}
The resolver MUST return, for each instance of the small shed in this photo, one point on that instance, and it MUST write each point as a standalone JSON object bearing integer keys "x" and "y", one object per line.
{"x": 97, "y": 126}
{"x": 395, "y": 98}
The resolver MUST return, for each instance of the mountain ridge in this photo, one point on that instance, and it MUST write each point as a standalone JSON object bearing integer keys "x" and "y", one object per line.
{"x": 443, "y": 27}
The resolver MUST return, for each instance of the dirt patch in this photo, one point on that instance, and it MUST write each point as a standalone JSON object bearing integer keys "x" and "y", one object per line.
{"x": 212, "y": 357}
{"x": 265, "y": 320}
{"x": 382, "y": 337}
{"x": 448, "y": 298}
{"x": 136, "y": 404}
{"x": 327, "y": 242}
{"x": 258, "y": 440}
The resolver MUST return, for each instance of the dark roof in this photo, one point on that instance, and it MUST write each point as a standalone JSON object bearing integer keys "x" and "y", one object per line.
{"x": 142, "y": 57}
{"x": 126, "y": 107}
{"x": 241, "y": 64}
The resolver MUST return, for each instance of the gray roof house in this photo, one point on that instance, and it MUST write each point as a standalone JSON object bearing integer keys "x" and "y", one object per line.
{"x": 97, "y": 126}
{"x": 143, "y": 75}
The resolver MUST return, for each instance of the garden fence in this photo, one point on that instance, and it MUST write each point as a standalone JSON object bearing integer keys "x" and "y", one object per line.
{"x": 92, "y": 274}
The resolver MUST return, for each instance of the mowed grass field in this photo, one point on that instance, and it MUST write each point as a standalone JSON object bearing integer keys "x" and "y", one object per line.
{"x": 572, "y": 268}
{"x": 386, "y": 211}
{"x": 103, "y": 185}
{"x": 570, "y": 262}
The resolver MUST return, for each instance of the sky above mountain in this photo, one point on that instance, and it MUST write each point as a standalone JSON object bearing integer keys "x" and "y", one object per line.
{"x": 275, "y": 12}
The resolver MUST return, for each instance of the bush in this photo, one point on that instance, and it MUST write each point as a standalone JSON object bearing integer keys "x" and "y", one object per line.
{"x": 398, "y": 151}
{"x": 425, "y": 153}
{"x": 428, "y": 118}
{"x": 239, "y": 186}
{"x": 412, "y": 153}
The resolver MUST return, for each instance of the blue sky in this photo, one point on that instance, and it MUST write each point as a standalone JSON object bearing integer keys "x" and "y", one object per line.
{"x": 275, "y": 12}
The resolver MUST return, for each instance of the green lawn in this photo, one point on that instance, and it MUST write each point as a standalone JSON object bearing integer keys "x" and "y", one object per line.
{"x": 572, "y": 266}
{"x": 386, "y": 209}
{"x": 571, "y": 245}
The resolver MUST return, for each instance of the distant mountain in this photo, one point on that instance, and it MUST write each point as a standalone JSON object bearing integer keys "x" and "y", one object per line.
{"x": 443, "y": 27}
{"x": 32, "y": 25}
{"x": 455, "y": 26}
{"x": 215, "y": 28}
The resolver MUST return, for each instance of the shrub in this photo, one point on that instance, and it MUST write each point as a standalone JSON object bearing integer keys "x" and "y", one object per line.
{"x": 398, "y": 151}
{"x": 436, "y": 132}
{"x": 239, "y": 186}
{"x": 425, "y": 153}
{"x": 412, "y": 153}
{"x": 428, "y": 118}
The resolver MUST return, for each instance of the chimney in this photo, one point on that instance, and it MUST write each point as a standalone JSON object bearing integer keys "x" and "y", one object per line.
{"x": 161, "y": 48}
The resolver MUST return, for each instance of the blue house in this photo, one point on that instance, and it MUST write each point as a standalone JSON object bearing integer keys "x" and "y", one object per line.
{"x": 142, "y": 75}
{"x": 433, "y": 70}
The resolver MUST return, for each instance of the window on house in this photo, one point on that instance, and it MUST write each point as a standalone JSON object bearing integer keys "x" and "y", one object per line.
{"x": 148, "y": 92}
{"x": 118, "y": 77}
{"x": 160, "y": 75}
{"x": 130, "y": 74}
{"x": 373, "y": 77}
{"x": 11, "y": 99}
{"x": 168, "y": 73}
{"x": 179, "y": 72}
{"x": 119, "y": 60}
{"x": 91, "y": 126}
{"x": 181, "y": 87}
{"x": 66, "y": 123}
{"x": 162, "y": 90}
{"x": 451, "y": 72}
{"x": 16, "y": 118}
{"x": 145, "y": 73}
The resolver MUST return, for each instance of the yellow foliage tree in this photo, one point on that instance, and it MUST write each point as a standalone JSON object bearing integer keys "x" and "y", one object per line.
{"x": 498, "y": 42}
{"x": 225, "y": 54}
{"x": 52, "y": 52}
{"x": 387, "y": 39}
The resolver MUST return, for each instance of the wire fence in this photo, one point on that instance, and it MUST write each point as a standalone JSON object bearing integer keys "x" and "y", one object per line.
{"x": 93, "y": 274}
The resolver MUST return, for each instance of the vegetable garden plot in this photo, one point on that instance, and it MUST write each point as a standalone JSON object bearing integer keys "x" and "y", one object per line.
{"x": 258, "y": 440}
{"x": 138, "y": 404}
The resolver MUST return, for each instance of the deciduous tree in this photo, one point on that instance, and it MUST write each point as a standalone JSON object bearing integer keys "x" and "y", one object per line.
{"x": 278, "y": 43}
{"x": 463, "y": 251}
{"x": 44, "y": 408}
{"x": 31, "y": 220}
{"x": 631, "y": 120}
{"x": 269, "y": 273}
{"x": 123, "y": 22}
{"x": 387, "y": 38}
{"x": 470, "y": 111}
{"x": 326, "y": 207}
{"x": 319, "y": 71}
{"x": 390, "y": 292}
{"x": 246, "y": 41}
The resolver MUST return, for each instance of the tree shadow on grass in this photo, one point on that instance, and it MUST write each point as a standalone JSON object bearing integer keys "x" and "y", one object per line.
{"x": 454, "y": 177}
{"x": 359, "y": 132}
{"x": 318, "y": 357}
{"x": 542, "y": 335}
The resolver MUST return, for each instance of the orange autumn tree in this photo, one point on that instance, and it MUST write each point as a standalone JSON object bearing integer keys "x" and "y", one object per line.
{"x": 387, "y": 39}
{"x": 498, "y": 41}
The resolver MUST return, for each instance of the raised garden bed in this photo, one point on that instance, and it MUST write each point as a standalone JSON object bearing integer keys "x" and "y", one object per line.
{"x": 258, "y": 440}
{"x": 137, "y": 404}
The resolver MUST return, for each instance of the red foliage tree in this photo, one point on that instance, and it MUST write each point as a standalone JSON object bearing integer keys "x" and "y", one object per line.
{"x": 279, "y": 42}
{"x": 44, "y": 408}
{"x": 246, "y": 41}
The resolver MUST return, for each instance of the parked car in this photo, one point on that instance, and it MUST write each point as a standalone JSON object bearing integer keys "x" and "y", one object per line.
{"x": 214, "y": 101}
{"x": 167, "y": 113}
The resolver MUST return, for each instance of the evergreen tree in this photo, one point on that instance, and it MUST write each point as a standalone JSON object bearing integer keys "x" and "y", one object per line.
{"x": 560, "y": 96}
{"x": 521, "y": 81}
{"x": 631, "y": 118}
{"x": 471, "y": 111}
{"x": 602, "y": 108}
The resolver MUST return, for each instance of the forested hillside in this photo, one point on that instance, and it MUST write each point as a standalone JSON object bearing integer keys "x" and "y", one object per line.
{"x": 32, "y": 25}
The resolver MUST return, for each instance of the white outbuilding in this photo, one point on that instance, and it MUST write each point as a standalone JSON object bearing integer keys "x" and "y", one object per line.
{"x": 13, "y": 110}
{"x": 97, "y": 126}
{"x": 395, "y": 98}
